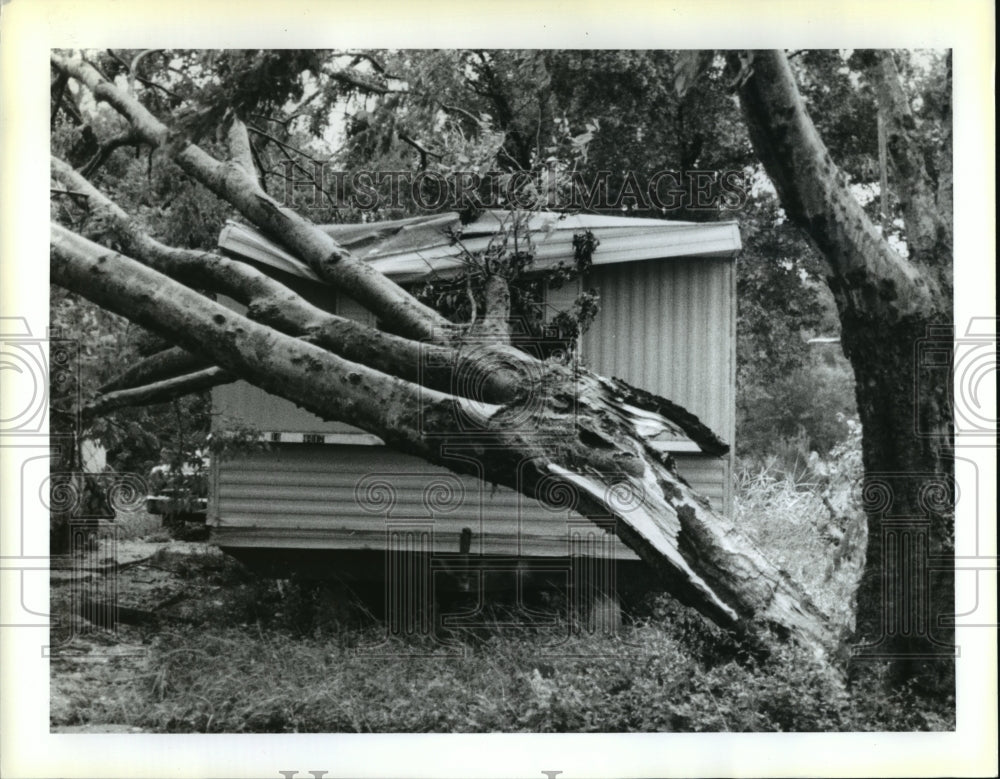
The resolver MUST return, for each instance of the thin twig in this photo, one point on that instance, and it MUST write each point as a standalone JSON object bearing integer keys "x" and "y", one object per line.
{"x": 261, "y": 133}
{"x": 462, "y": 112}
{"x": 424, "y": 151}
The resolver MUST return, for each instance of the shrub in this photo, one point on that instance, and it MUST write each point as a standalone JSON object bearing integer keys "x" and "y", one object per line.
{"x": 800, "y": 412}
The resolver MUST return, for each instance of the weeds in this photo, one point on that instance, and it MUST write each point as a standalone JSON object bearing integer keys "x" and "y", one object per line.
{"x": 805, "y": 513}
{"x": 654, "y": 676}
{"x": 263, "y": 658}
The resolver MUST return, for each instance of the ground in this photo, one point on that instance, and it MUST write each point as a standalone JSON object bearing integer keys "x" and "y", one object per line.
{"x": 154, "y": 588}
{"x": 203, "y": 645}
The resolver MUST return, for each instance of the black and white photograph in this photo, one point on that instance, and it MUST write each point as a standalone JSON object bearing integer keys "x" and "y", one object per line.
{"x": 632, "y": 397}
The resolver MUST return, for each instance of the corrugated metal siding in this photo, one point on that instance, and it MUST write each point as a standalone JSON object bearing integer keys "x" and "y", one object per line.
{"x": 666, "y": 326}
{"x": 244, "y": 402}
{"x": 345, "y": 497}
{"x": 709, "y": 476}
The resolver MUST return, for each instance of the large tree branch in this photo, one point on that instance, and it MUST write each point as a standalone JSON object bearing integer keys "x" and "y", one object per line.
{"x": 928, "y": 229}
{"x": 493, "y": 372}
{"x": 109, "y": 147}
{"x": 319, "y": 381}
{"x": 273, "y": 303}
{"x": 866, "y": 274}
{"x": 233, "y": 183}
{"x": 157, "y": 392}
{"x": 584, "y": 435}
{"x": 163, "y": 365}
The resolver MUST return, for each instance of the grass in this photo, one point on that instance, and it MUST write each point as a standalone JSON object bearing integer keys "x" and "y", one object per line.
{"x": 256, "y": 662}
{"x": 789, "y": 519}
{"x": 658, "y": 675}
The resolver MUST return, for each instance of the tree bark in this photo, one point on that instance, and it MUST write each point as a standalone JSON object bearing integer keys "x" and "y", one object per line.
{"x": 576, "y": 437}
{"x": 270, "y": 302}
{"x": 156, "y": 392}
{"x": 238, "y": 185}
{"x": 157, "y": 367}
{"x": 552, "y": 431}
{"x": 895, "y": 318}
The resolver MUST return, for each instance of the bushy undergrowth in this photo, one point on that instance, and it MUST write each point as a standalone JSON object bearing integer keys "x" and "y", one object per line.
{"x": 808, "y": 405}
{"x": 667, "y": 672}
{"x": 268, "y": 660}
{"x": 804, "y": 512}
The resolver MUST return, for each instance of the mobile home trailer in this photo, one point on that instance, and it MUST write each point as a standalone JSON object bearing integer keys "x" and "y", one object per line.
{"x": 326, "y": 490}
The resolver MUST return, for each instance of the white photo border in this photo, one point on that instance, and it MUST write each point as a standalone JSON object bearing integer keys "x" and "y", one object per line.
{"x": 29, "y": 29}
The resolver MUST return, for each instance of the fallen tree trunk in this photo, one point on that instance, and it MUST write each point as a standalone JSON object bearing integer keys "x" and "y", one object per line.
{"x": 543, "y": 428}
{"x": 586, "y": 433}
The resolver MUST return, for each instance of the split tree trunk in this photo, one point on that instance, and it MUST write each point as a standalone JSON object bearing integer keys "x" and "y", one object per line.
{"x": 575, "y": 431}
{"x": 542, "y": 428}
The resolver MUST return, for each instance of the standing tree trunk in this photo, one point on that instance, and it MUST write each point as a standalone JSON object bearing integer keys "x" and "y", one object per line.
{"x": 896, "y": 329}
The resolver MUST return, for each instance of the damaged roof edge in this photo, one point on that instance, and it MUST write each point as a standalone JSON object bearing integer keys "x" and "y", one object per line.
{"x": 410, "y": 249}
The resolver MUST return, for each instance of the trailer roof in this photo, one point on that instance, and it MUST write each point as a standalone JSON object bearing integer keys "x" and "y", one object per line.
{"x": 410, "y": 249}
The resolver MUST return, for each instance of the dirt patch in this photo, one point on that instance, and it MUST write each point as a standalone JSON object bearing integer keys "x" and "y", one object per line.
{"x": 96, "y": 729}
{"x": 106, "y": 607}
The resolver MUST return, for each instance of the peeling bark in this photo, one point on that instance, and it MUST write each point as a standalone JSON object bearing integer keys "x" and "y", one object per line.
{"x": 533, "y": 424}
{"x": 575, "y": 429}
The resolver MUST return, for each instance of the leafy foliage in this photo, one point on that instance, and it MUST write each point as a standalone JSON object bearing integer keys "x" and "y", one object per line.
{"x": 562, "y": 113}
{"x": 788, "y": 389}
{"x": 662, "y": 674}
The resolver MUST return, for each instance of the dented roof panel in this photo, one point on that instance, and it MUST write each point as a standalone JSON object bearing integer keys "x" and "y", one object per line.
{"x": 411, "y": 249}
